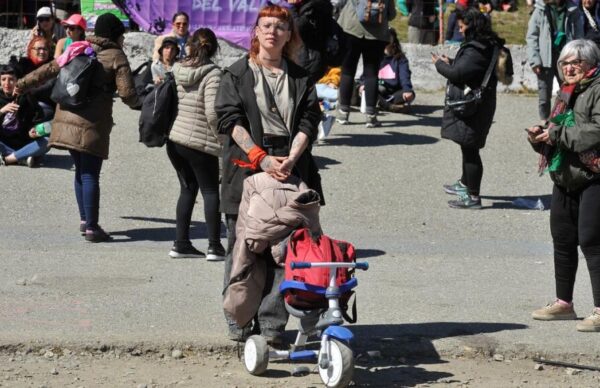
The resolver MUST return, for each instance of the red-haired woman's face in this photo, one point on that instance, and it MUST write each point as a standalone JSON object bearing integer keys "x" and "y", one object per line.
{"x": 272, "y": 33}
{"x": 40, "y": 50}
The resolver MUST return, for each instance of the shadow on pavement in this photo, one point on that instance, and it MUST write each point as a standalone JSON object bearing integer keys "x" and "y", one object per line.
{"x": 379, "y": 139}
{"x": 403, "y": 346}
{"x": 323, "y": 162}
{"x": 366, "y": 253}
{"x": 507, "y": 202}
{"x": 197, "y": 230}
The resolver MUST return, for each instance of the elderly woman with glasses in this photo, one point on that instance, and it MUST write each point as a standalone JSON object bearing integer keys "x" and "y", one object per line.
{"x": 268, "y": 115}
{"x": 180, "y": 32}
{"x": 569, "y": 149}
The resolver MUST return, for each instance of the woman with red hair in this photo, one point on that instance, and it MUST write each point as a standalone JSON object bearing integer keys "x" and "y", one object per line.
{"x": 268, "y": 113}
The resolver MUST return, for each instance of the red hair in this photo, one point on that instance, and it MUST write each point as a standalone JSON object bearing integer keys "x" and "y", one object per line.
{"x": 32, "y": 42}
{"x": 283, "y": 14}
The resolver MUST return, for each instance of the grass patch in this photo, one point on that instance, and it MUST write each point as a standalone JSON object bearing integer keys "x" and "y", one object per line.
{"x": 511, "y": 26}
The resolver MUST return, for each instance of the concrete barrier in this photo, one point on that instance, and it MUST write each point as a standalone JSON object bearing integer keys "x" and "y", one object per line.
{"x": 138, "y": 47}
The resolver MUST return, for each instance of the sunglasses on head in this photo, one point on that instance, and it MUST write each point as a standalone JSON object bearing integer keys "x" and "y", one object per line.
{"x": 43, "y": 19}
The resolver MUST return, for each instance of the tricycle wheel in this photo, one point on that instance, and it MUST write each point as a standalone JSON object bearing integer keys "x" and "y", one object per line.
{"x": 341, "y": 366}
{"x": 256, "y": 355}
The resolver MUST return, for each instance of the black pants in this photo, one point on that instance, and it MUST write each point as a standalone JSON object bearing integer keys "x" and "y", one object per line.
{"x": 272, "y": 316}
{"x": 372, "y": 53}
{"x": 575, "y": 220}
{"x": 196, "y": 170}
{"x": 472, "y": 169}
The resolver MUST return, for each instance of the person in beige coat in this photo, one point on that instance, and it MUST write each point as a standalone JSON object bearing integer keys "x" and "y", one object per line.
{"x": 193, "y": 146}
{"x": 85, "y": 131}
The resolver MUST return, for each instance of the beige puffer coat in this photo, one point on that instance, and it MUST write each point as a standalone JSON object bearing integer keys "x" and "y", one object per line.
{"x": 196, "y": 123}
{"x": 269, "y": 212}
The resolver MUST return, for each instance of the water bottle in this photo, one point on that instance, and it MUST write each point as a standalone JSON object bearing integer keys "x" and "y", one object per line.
{"x": 43, "y": 129}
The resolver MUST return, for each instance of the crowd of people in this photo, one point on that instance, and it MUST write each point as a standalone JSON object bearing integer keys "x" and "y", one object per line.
{"x": 261, "y": 116}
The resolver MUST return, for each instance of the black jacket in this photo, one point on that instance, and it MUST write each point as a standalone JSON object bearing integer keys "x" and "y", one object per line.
{"x": 469, "y": 68}
{"x": 236, "y": 104}
{"x": 314, "y": 21}
{"x": 26, "y": 115}
{"x": 420, "y": 11}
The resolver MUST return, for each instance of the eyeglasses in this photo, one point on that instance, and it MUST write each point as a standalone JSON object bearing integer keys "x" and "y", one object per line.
{"x": 40, "y": 49}
{"x": 43, "y": 19}
{"x": 576, "y": 63}
{"x": 278, "y": 27}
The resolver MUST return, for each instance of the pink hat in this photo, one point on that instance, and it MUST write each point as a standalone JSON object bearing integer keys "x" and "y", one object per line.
{"x": 76, "y": 20}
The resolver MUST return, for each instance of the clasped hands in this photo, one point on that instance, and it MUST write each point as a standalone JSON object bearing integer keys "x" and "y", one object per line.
{"x": 537, "y": 134}
{"x": 279, "y": 167}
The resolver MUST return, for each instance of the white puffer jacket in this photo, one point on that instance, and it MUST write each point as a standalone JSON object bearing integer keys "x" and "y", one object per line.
{"x": 196, "y": 123}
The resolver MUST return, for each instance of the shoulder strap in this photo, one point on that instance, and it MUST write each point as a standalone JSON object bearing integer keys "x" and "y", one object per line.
{"x": 490, "y": 68}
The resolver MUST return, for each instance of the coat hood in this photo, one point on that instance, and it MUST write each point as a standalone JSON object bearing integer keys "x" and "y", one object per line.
{"x": 99, "y": 43}
{"x": 188, "y": 75}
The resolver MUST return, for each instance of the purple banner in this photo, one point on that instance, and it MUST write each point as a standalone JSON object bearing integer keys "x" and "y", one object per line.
{"x": 231, "y": 20}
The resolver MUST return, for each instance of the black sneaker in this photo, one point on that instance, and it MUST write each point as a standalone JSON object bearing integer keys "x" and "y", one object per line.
{"x": 97, "y": 235}
{"x": 215, "y": 253}
{"x": 372, "y": 122}
{"x": 82, "y": 228}
{"x": 188, "y": 252}
{"x": 465, "y": 201}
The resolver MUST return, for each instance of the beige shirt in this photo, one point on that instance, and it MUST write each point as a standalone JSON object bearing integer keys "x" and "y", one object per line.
{"x": 274, "y": 123}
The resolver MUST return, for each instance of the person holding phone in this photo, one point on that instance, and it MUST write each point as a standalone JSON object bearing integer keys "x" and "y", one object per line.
{"x": 565, "y": 146}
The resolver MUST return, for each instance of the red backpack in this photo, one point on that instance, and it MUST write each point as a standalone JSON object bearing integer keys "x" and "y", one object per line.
{"x": 303, "y": 247}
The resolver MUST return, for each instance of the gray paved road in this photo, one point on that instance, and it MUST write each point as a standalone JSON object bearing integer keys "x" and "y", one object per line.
{"x": 441, "y": 280}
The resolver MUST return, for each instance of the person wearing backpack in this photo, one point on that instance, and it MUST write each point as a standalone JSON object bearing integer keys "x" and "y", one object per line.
{"x": 368, "y": 38}
{"x": 193, "y": 146}
{"x": 85, "y": 131}
{"x": 268, "y": 113}
{"x": 473, "y": 65}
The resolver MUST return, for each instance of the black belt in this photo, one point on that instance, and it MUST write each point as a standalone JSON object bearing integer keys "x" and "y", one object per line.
{"x": 276, "y": 145}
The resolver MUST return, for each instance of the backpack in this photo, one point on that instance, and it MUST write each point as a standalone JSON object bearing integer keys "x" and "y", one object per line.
{"x": 371, "y": 12}
{"x": 142, "y": 79}
{"x": 335, "y": 45}
{"x": 504, "y": 66}
{"x": 73, "y": 87}
{"x": 159, "y": 110}
{"x": 303, "y": 247}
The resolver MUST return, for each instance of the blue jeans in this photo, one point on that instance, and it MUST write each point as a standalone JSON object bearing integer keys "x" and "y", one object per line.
{"x": 36, "y": 147}
{"x": 325, "y": 92}
{"x": 87, "y": 186}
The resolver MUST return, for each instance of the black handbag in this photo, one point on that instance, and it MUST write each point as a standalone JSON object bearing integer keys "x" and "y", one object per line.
{"x": 464, "y": 101}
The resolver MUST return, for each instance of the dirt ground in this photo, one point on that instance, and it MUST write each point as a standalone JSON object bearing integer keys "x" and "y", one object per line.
{"x": 111, "y": 368}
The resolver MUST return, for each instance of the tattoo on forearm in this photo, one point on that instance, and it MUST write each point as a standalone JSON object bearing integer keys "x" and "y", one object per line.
{"x": 242, "y": 138}
{"x": 299, "y": 144}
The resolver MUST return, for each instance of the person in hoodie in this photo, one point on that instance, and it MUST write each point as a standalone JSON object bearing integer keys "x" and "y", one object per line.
{"x": 395, "y": 87}
{"x": 193, "y": 146}
{"x": 552, "y": 24}
{"x": 85, "y": 131}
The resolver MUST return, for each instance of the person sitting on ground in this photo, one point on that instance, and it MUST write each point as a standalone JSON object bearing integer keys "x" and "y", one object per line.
{"x": 18, "y": 140}
{"x": 395, "y": 87}
{"x": 38, "y": 54}
{"x": 327, "y": 87}
{"x": 167, "y": 54}
{"x": 47, "y": 26}
{"x": 569, "y": 148}
{"x": 181, "y": 33}
{"x": 75, "y": 26}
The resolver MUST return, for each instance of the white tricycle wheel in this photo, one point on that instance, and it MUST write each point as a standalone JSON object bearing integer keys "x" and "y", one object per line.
{"x": 256, "y": 355}
{"x": 341, "y": 365}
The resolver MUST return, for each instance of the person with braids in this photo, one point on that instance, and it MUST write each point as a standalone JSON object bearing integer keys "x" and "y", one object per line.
{"x": 193, "y": 146}
{"x": 268, "y": 113}
{"x": 468, "y": 70}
